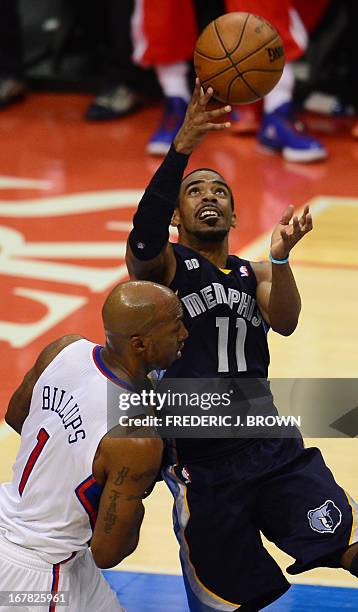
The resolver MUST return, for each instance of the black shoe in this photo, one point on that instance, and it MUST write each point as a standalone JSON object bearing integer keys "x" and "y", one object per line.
{"x": 11, "y": 90}
{"x": 113, "y": 103}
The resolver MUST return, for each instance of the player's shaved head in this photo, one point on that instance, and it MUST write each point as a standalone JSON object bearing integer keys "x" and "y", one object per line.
{"x": 133, "y": 307}
{"x": 143, "y": 323}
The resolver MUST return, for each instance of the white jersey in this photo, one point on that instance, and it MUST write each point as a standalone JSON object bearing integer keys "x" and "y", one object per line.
{"x": 51, "y": 504}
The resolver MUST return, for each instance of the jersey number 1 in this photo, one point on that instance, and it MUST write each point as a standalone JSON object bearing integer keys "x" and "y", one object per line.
{"x": 223, "y": 339}
{"x": 42, "y": 438}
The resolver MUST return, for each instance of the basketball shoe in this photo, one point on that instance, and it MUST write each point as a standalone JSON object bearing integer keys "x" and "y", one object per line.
{"x": 173, "y": 117}
{"x": 113, "y": 102}
{"x": 280, "y": 132}
{"x": 12, "y": 90}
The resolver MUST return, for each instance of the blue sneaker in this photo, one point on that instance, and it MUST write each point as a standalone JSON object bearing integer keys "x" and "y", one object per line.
{"x": 280, "y": 133}
{"x": 173, "y": 117}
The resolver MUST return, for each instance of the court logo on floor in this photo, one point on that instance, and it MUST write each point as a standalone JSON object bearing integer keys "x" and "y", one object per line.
{"x": 326, "y": 518}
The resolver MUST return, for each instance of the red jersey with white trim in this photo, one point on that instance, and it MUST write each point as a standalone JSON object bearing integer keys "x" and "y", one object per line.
{"x": 51, "y": 504}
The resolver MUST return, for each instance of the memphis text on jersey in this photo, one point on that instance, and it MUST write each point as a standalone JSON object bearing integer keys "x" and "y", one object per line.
{"x": 214, "y": 294}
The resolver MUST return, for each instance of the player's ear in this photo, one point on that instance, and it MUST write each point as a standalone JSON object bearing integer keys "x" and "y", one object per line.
{"x": 137, "y": 344}
{"x": 233, "y": 219}
{"x": 175, "y": 222}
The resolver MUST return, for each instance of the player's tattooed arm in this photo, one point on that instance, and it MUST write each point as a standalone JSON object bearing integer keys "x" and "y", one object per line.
{"x": 19, "y": 404}
{"x": 121, "y": 476}
{"x": 121, "y": 509}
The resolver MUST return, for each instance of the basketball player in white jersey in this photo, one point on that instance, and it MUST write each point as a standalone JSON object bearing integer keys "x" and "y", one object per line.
{"x": 73, "y": 483}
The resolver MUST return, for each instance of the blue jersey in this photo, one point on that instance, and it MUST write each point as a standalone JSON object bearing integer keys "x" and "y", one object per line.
{"x": 227, "y": 334}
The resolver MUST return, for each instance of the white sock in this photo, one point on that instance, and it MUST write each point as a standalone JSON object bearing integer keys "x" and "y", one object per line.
{"x": 173, "y": 80}
{"x": 282, "y": 92}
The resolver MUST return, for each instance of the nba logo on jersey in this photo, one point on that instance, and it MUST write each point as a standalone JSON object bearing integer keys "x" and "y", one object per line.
{"x": 244, "y": 271}
{"x": 191, "y": 264}
{"x": 186, "y": 476}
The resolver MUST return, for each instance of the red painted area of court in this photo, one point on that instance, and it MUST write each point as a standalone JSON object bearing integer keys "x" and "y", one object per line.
{"x": 46, "y": 139}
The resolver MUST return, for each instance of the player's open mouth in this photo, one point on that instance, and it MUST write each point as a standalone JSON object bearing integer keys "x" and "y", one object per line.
{"x": 209, "y": 213}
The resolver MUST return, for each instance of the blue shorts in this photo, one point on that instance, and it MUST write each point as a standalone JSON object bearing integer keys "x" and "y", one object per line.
{"x": 276, "y": 487}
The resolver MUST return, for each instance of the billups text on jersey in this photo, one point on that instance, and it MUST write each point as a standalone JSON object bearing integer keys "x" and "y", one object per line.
{"x": 214, "y": 294}
{"x": 66, "y": 408}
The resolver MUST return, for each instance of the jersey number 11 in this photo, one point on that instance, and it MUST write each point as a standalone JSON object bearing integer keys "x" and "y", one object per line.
{"x": 223, "y": 340}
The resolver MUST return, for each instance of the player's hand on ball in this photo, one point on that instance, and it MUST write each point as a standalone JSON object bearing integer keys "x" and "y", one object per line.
{"x": 289, "y": 231}
{"x": 199, "y": 121}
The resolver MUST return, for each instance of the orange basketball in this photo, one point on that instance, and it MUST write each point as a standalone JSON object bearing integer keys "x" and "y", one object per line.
{"x": 241, "y": 56}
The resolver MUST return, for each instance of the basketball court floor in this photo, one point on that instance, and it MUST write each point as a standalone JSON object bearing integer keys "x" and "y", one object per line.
{"x": 68, "y": 190}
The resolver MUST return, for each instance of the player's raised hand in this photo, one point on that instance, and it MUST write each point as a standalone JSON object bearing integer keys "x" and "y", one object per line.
{"x": 289, "y": 231}
{"x": 199, "y": 121}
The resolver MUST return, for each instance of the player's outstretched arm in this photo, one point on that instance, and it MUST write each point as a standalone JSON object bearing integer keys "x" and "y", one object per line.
{"x": 130, "y": 466}
{"x": 277, "y": 293}
{"x": 149, "y": 255}
{"x": 19, "y": 404}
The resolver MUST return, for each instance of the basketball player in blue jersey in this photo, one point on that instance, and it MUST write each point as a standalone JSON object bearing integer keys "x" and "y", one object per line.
{"x": 227, "y": 491}
{"x": 75, "y": 479}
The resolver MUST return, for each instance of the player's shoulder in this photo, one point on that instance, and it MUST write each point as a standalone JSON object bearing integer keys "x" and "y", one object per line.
{"x": 137, "y": 452}
{"x": 51, "y": 351}
{"x": 182, "y": 251}
{"x": 243, "y": 267}
{"x": 189, "y": 259}
{"x": 260, "y": 269}
{"x": 236, "y": 261}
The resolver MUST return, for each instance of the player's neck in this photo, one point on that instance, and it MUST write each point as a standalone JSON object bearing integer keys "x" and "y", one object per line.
{"x": 124, "y": 369}
{"x": 216, "y": 252}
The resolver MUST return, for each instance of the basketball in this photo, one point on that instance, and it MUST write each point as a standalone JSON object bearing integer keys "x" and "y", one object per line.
{"x": 241, "y": 56}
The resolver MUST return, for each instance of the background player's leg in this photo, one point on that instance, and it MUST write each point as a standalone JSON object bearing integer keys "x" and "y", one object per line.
{"x": 155, "y": 27}
{"x": 118, "y": 93}
{"x": 279, "y": 131}
{"x": 12, "y": 86}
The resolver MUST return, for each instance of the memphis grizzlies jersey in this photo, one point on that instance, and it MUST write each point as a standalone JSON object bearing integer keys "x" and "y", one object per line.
{"x": 51, "y": 504}
{"x": 227, "y": 335}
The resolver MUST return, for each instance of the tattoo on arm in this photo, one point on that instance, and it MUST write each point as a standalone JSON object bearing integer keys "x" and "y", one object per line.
{"x": 111, "y": 513}
{"x": 121, "y": 476}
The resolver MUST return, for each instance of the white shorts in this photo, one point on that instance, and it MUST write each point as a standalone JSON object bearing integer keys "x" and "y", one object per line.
{"x": 22, "y": 570}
